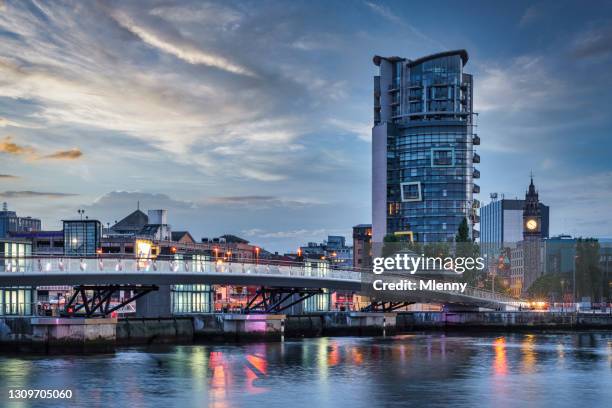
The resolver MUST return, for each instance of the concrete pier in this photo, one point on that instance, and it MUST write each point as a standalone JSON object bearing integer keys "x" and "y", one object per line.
{"x": 58, "y": 335}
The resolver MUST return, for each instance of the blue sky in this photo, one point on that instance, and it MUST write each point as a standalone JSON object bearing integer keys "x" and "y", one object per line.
{"x": 254, "y": 118}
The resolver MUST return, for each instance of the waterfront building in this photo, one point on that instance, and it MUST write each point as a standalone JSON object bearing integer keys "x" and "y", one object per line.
{"x": 423, "y": 148}
{"x": 528, "y": 255}
{"x": 81, "y": 237}
{"x": 43, "y": 242}
{"x": 501, "y": 225}
{"x": 559, "y": 255}
{"x": 15, "y": 300}
{"x": 11, "y": 223}
{"x": 132, "y": 224}
{"x": 334, "y": 250}
{"x": 362, "y": 246}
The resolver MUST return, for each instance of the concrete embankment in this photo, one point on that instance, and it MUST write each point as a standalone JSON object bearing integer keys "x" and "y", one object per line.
{"x": 409, "y": 321}
{"x": 80, "y": 335}
{"x": 57, "y": 335}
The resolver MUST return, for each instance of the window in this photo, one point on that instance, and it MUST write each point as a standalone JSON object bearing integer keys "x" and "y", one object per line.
{"x": 444, "y": 157}
{"x": 411, "y": 191}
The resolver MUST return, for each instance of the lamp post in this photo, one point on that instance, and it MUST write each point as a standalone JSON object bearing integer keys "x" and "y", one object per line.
{"x": 574, "y": 286}
{"x": 562, "y": 294}
{"x": 81, "y": 212}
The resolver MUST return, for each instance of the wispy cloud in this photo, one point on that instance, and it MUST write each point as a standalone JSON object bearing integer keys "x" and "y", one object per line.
{"x": 7, "y": 146}
{"x": 593, "y": 43}
{"x": 71, "y": 154}
{"x": 179, "y": 47}
{"x": 383, "y": 11}
{"x": 34, "y": 194}
{"x": 530, "y": 15}
{"x": 8, "y": 176}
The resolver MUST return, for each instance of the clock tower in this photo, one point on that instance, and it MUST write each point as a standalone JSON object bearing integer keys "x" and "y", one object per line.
{"x": 532, "y": 218}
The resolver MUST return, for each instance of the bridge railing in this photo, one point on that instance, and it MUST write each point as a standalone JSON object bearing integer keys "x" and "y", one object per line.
{"x": 119, "y": 265}
{"x": 123, "y": 265}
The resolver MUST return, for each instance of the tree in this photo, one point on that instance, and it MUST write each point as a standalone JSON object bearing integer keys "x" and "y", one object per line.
{"x": 463, "y": 233}
{"x": 466, "y": 248}
{"x": 549, "y": 287}
{"x": 589, "y": 276}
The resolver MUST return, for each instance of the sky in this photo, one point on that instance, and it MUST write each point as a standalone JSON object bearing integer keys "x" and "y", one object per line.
{"x": 254, "y": 118}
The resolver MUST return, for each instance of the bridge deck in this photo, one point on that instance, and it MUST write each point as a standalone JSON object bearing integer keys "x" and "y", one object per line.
{"x": 39, "y": 271}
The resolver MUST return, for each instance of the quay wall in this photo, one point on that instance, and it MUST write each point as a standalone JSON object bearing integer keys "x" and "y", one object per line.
{"x": 81, "y": 335}
{"x": 409, "y": 321}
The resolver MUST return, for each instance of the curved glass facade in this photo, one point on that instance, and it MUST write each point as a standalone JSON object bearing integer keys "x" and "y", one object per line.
{"x": 425, "y": 120}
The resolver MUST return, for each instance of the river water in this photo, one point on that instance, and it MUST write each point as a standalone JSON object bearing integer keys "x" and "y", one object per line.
{"x": 429, "y": 370}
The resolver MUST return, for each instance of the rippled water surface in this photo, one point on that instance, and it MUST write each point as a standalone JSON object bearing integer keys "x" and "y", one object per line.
{"x": 469, "y": 370}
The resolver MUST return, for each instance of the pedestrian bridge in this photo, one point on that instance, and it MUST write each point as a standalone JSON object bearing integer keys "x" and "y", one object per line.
{"x": 48, "y": 271}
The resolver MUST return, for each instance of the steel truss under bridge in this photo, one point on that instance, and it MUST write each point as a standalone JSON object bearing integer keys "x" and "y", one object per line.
{"x": 385, "y": 306}
{"x": 275, "y": 300}
{"x": 99, "y": 303}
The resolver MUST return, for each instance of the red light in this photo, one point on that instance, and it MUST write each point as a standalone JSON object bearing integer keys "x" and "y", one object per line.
{"x": 99, "y": 251}
{"x": 173, "y": 250}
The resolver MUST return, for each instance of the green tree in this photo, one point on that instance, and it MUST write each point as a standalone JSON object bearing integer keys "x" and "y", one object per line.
{"x": 589, "y": 276}
{"x": 466, "y": 248}
{"x": 549, "y": 287}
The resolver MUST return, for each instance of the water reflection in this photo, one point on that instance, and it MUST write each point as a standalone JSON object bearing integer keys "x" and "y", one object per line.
{"x": 500, "y": 364}
{"x": 481, "y": 370}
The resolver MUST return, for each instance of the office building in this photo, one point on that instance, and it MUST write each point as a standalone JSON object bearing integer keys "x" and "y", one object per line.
{"x": 43, "y": 242}
{"x": 501, "y": 225}
{"x": 81, "y": 237}
{"x": 423, "y": 148}
{"x": 10, "y": 222}
{"x": 362, "y": 246}
{"x": 15, "y": 300}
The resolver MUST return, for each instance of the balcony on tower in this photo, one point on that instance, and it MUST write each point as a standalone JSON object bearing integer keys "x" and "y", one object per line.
{"x": 476, "y": 189}
{"x": 476, "y": 174}
{"x": 476, "y": 158}
{"x": 475, "y": 140}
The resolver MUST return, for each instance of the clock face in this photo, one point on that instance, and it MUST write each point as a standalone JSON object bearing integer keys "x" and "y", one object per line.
{"x": 531, "y": 225}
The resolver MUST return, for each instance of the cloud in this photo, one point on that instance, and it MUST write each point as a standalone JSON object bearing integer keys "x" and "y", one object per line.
{"x": 9, "y": 147}
{"x": 71, "y": 154}
{"x": 256, "y": 201}
{"x": 383, "y": 11}
{"x": 8, "y": 176}
{"x": 34, "y": 194}
{"x": 530, "y": 15}
{"x": 387, "y": 14}
{"x": 179, "y": 47}
{"x": 593, "y": 43}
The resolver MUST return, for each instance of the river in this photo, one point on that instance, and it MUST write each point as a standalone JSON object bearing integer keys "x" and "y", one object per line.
{"x": 427, "y": 369}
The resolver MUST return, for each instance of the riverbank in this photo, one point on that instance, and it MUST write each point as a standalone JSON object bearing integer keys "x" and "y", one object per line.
{"x": 61, "y": 335}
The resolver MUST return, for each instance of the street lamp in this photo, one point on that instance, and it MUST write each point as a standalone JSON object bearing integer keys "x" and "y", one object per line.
{"x": 562, "y": 294}
{"x": 256, "y": 255}
{"x": 81, "y": 212}
{"x": 574, "y": 286}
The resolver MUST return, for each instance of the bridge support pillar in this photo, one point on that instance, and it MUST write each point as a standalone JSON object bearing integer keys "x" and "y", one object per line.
{"x": 155, "y": 304}
{"x": 253, "y": 326}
